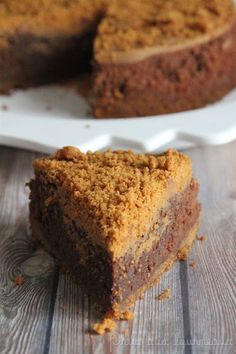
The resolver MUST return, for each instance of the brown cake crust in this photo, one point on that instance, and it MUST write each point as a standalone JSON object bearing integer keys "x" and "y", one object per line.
{"x": 168, "y": 82}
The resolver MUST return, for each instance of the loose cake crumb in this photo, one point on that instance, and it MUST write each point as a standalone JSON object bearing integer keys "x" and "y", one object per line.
{"x": 166, "y": 294}
{"x": 193, "y": 264}
{"x": 183, "y": 254}
{"x": 201, "y": 238}
{"x": 107, "y": 325}
{"x": 128, "y": 316}
{"x": 19, "y": 280}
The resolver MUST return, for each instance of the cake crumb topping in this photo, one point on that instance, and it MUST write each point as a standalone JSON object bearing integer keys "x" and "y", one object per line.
{"x": 140, "y": 24}
{"x": 114, "y": 194}
{"x": 122, "y": 24}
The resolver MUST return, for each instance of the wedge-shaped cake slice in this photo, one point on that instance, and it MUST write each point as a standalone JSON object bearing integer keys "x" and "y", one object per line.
{"x": 115, "y": 220}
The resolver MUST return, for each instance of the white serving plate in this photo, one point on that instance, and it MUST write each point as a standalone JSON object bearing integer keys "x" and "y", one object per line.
{"x": 48, "y": 118}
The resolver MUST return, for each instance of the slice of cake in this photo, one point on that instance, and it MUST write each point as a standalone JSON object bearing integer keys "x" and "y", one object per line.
{"x": 156, "y": 56}
{"x": 115, "y": 220}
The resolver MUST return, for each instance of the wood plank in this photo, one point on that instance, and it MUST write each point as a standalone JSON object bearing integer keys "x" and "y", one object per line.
{"x": 212, "y": 283}
{"x": 24, "y": 308}
{"x": 157, "y": 324}
{"x": 70, "y": 320}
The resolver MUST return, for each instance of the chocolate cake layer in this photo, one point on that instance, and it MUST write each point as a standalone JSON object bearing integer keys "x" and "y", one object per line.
{"x": 168, "y": 82}
{"x": 110, "y": 283}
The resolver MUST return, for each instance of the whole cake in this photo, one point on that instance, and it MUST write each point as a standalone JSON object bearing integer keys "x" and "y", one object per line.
{"x": 115, "y": 220}
{"x": 148, "y": 57}
{"x": 162, "y": 56}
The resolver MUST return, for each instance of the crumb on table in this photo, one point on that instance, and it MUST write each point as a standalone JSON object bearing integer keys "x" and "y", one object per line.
{"x": 127, "y": 316}
{"x": 201, "y": 238}
{"x": 166, "y": 294}
{"x": 183, "y": 254}
{"x": 107, "y": 325}
{"x": 193, "y": 264}
{"x": 19, "y": 280}
{"x": 108, "y": 322}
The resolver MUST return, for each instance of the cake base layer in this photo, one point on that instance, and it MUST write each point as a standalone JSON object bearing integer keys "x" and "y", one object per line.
{"x": 168, "y": 82}
{"x": 113, "y": 284}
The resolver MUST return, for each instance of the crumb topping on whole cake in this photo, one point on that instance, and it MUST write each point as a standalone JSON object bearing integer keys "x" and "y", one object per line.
{"x": 138, "y": 24}
{"x": 124, "y": 24}
{"x": 52, "y": 17}
{"x": 115, "y": 194}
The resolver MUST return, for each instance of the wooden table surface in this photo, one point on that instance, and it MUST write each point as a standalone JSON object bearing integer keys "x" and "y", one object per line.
{"x": 50, "y": 314}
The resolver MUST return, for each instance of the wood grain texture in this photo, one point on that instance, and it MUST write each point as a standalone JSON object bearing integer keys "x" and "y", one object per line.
{"x": 50, "y": 314}
{"x": 213, "y": 308}
{"x": 23, "y": 308}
